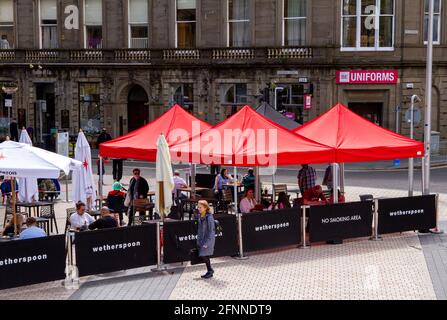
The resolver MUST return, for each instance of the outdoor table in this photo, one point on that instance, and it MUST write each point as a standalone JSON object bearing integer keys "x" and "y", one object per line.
{"x": 229, "y": 185}
{"x": 189, "y": 190}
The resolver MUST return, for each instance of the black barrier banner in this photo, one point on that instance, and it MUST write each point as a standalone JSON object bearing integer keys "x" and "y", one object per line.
{"x": 271, "y": 229}
{"x": 179, "y": 237}
{"x": 407, "y": 214}
{"x": 27, "y": 262}
{"x": 340, "y": 221}
{"x": 116, "y": 249}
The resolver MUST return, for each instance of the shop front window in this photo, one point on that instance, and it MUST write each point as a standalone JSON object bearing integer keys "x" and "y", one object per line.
{"x": 234, "y": 98}
{"x": 184, "y": 96}
{"x": 290, "y": 101}
{"x": 90, "y": 111}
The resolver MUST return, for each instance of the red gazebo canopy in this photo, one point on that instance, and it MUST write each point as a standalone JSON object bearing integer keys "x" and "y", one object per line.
{"x": 250, "y": 139}
{"x": 176, "y": 124}
{"x": 356, "y": 139}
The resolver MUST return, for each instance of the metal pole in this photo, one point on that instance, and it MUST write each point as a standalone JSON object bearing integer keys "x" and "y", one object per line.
{"x": 414, "y": 98}
{"x": 66, "y": 188}
{"x": 342, "y": 177}
{"x": 101, "y": 179}
{"x": 335, "y": 182}
{"x": 423, "y": 174}
{"x": 235, "y": 189}
{"x": 428, "y": 100}
{"x": 193, "y": 180}
{"x": 257, "y": 185}
{"x": 241, "y": 245}
{"x": 437, "y": 230}
{"x": 68, "y": 279}
{"x": 303, "y": 229}
{"x": 376, "y": 236}
{"x": 397, "y": 119}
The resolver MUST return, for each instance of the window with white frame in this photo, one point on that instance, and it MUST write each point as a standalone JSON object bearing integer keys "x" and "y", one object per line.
{"x": 138, "y": 24}
{"x": 186, "y": 23}
{"x": 93, "y": 24}
{"x": 436, "y": 21}
{"x": 238, "y": 23}
{"x": 6, "y": 24}
{"x": 294, "y": 22}
{"x": 367, "y": 25}
{"x": 48, "y": 24}
{"x": 183, "y": 94}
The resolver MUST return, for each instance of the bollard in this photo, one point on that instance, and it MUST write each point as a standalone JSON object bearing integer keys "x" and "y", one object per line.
{"x": 376, "y": 236}
{"x": 437, "y": 230}
{"x": 303, "y": 229}
{"x": 241, "y": 245}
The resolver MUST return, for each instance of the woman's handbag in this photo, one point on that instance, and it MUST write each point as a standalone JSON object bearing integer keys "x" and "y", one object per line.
{"x": 127, "y": 199}
{"x": 194, "y": 257}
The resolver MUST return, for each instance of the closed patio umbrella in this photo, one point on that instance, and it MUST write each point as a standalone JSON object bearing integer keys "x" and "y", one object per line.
{"x": 165, "y": 183}
{"x": 28, "y": 188}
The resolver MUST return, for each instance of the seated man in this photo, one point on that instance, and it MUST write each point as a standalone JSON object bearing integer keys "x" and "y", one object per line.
{"x": 106, "y": 221}
{"x": 179, "y": 182}
{"x": 32, "y": 231}
{"x": 80, "y": 220}
{"x": 313, "y": 196}
{"x": 248, "y": 203}
{"x": 115, "y": 201}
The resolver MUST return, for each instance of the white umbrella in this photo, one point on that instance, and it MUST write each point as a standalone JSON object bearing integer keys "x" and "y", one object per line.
{"x": 19, "y": 160}
{"x": 28, "y": 188}
{"x": 83, "y": 183}
{"x": 165, "y": 182}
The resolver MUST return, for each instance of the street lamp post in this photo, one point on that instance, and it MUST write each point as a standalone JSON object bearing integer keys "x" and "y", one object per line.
{"x": 276, "y": 93}
{"x": 428, "y": 101}
{"x": 414, "y": 99}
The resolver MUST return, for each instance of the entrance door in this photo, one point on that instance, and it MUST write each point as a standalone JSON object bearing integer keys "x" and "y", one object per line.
{"x": 370, "y": 111}
{"x": 45, "y": 111}
{"x": 137, "y": 108}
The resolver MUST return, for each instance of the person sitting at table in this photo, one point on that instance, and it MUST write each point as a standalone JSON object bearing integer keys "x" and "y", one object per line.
{"x": 10, "y": 227}
{"x": 80, "y": 220}
{"x": 222, "y": 179}
{"x": 341, "y": 197}
{"x": 107, "y": 221}
{"x": 138, "y": 189}
{"x": 32, "y": 231}
{"x": 248, "y": 203}
{"x": 282, "y": 202}
{"x": 314, "y": 196}
{"x": 248, "y": 181}
{"x": 115, "y": 201}
{"x": 179, "y": 182}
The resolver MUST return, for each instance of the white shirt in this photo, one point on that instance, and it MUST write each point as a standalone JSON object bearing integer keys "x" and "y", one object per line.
{"x": 77, "y": 221}
{"x": 246, "y": 205}
{"x": 179, "y": 182}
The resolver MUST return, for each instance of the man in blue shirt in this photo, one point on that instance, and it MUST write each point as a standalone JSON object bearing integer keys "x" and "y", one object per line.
{"x": 32, "y": 231}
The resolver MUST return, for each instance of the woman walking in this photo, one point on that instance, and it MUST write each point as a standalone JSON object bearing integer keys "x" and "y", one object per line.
{"x": 206, "y": 236}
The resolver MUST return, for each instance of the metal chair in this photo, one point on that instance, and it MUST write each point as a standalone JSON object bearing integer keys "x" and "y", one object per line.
{"x": 70, "y": 211}
{"x": 47, "y": 212}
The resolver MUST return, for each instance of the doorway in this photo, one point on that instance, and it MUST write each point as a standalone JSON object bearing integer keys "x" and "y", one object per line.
{"x": 370, "y": 111}
{"x": 45, "y": 120}
{"x": 137, "y": 108}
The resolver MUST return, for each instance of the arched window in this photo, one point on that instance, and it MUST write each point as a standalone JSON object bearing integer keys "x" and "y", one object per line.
{"x": 234, "y": 97}
{"x": 184, "y": 96}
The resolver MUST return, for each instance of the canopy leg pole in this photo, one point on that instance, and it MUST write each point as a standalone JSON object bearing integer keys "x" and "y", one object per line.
{"x": 257, "y": 185}
{"x": 235, "y": 190}
{"x": 423, "y": 175}
{"x": 335, "y": 182}
{"x": 342, "y": 177}
{"x": 303, "y": 226}
{"x": 13, "y": 204}
{"x": 241, "y": 245}
{"x": 193, "y": 180}
{"x": 101, "y": 181}
{"x": 410, "y": 177}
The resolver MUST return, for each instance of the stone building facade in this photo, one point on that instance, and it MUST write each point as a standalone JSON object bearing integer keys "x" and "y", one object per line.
{"x": 121, "y": 63}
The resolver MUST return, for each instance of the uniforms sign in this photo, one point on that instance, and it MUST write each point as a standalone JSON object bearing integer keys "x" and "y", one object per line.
{"x": 367, "y": 76}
